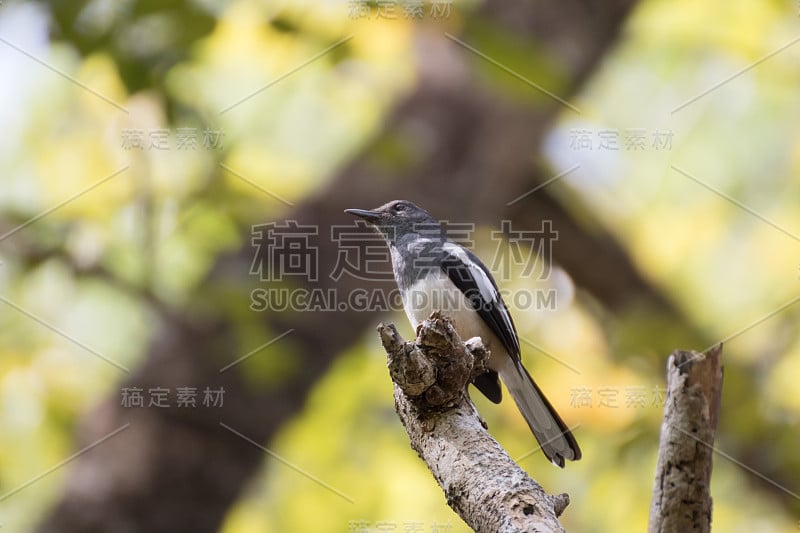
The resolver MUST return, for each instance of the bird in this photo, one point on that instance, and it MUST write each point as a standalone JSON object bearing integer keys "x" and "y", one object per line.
{"x": 434, "y": 273}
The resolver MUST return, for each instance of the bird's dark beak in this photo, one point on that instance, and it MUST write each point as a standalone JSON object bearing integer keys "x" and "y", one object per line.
{"x": 370, "y": 216}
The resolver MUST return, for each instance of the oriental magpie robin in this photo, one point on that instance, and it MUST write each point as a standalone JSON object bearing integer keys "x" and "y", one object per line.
{"x": 436, "y": 274}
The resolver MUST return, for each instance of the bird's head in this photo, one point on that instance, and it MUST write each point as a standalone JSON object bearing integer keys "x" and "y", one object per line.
{"x": 399, "y": 218}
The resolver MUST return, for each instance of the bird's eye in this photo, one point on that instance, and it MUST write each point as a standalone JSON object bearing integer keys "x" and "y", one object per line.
{"x": 399, "y": 207}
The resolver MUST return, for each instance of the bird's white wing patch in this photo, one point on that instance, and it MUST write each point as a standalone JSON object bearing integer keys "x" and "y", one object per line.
{"x": 485, "y": 285}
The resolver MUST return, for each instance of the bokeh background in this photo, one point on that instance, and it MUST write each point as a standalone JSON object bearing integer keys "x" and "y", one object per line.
{"x": 143, "y": 140}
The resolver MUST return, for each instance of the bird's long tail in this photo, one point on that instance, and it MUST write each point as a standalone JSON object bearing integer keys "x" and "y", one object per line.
{"x": 555, "y": 439}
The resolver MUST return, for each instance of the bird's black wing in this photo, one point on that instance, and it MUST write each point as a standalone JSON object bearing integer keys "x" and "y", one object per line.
{"x": 474, "y": 280}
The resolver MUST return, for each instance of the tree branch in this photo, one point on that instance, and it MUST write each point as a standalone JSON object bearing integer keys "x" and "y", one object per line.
{"x": 681, "y": 495}
{"x": 481, "y": 482}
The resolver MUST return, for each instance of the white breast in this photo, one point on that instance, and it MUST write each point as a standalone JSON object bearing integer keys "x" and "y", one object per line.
{"x": 437, "y": 293}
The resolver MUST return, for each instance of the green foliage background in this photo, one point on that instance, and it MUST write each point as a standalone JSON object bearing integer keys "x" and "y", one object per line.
{"x": 91, "y": 266}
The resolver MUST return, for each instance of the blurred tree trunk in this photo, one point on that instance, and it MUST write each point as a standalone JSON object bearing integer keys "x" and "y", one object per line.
{"x": 178, "y": 470}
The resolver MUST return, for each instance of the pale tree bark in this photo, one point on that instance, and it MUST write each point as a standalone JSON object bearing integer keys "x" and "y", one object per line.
{"x": 681, "y": 495}
{"x": 487, "y": 489}
{"x": 481, "y": 483}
